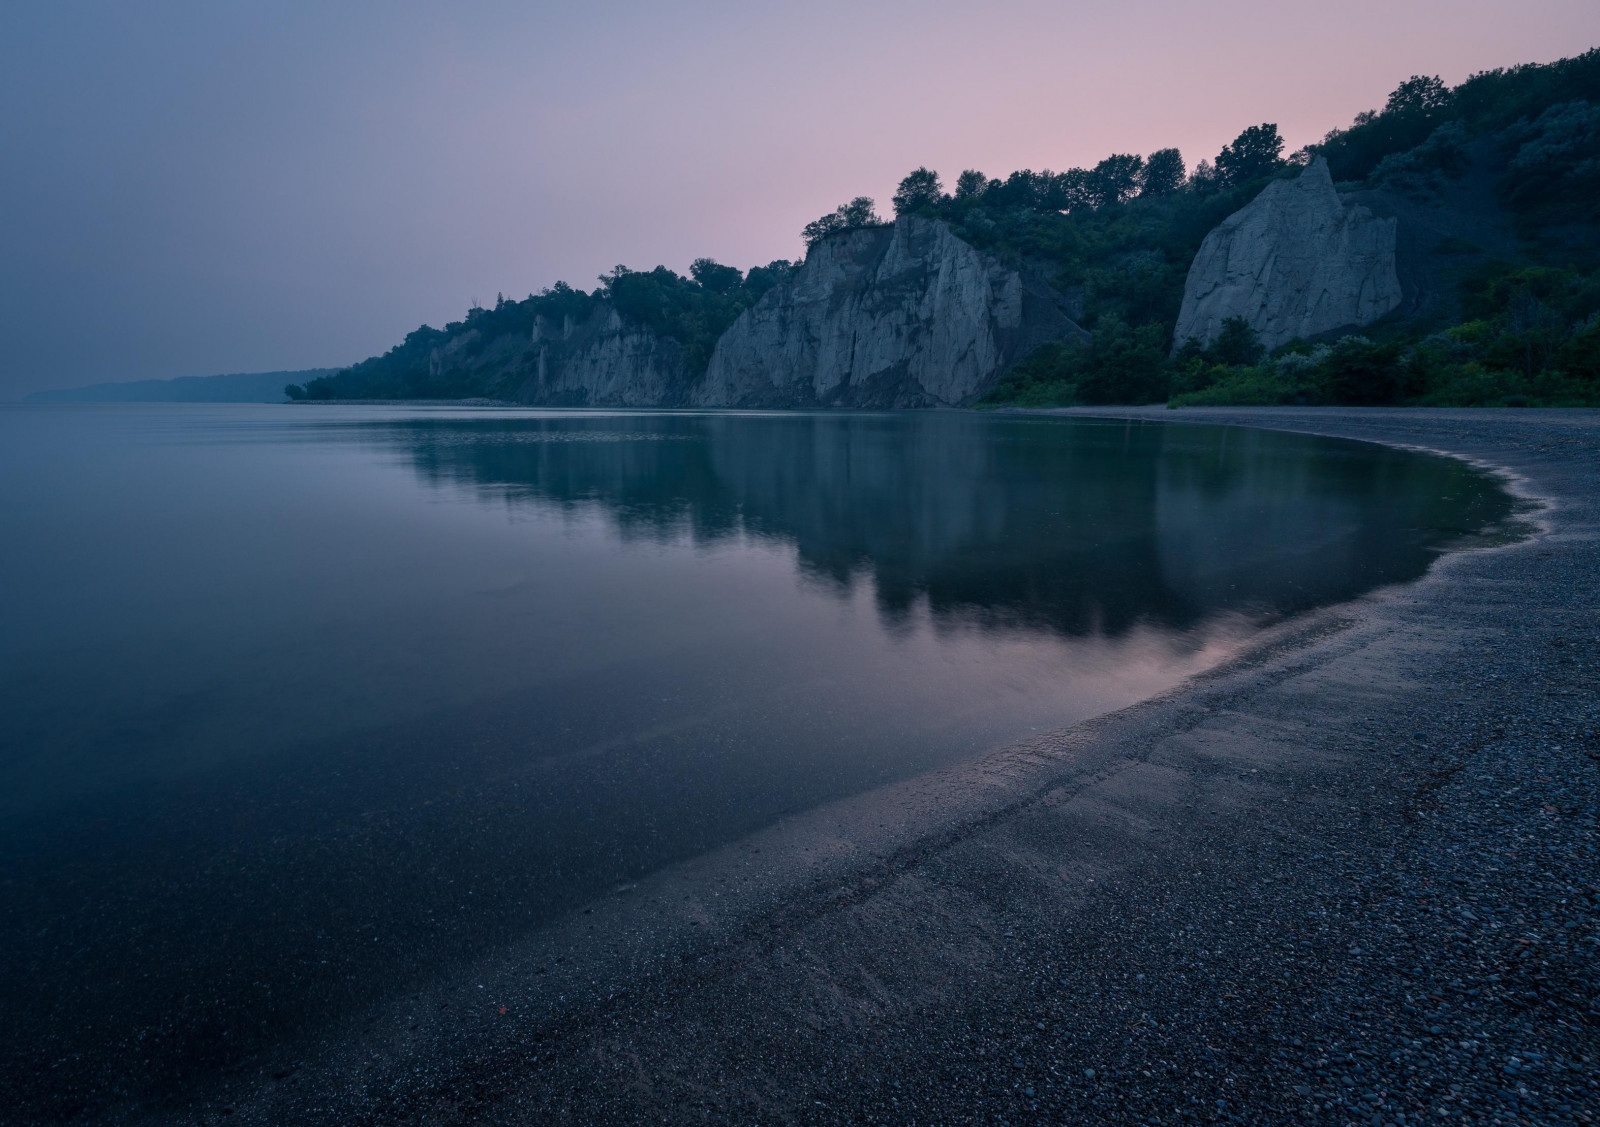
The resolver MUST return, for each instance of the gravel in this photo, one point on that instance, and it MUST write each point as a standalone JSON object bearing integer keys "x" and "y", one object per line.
{"x": 1348, "y": 879}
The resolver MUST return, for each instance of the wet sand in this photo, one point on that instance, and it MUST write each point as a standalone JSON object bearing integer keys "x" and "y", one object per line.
{"x": 1347, "y": 877}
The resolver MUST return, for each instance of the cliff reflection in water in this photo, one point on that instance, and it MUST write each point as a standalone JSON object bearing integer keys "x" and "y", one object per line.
{"x": 1083, "y": 527}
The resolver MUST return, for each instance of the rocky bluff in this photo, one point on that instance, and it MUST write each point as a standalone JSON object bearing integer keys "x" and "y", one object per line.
{"x": 900, "y": 315}
{"x": 1298, "y": 261}
{"x": 905, "y": 315}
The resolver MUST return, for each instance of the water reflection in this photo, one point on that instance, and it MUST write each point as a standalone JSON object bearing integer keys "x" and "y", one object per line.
{"x": 1082, "y": 527}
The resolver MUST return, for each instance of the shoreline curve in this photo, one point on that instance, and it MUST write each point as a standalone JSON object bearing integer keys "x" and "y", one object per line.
{"x": 1158, "y": 913}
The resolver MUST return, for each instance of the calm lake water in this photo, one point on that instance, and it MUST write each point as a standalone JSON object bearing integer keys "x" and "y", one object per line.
{"x": 301, "y": 704}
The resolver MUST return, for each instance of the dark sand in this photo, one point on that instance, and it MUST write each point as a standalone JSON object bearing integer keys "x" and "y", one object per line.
{"x": 1349, "y": 878}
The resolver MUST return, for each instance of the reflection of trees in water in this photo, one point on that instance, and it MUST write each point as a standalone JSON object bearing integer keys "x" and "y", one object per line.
{"x": 1081, "y": 527}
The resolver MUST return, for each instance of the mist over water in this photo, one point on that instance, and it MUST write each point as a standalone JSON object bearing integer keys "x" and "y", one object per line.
{"x": 304, "y": 704}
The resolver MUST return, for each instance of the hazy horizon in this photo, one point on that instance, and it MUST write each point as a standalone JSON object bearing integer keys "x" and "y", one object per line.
{"x": 192, "y": 190}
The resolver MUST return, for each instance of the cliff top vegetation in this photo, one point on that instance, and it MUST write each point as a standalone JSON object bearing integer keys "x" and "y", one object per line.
{"x": 693, "y": 310}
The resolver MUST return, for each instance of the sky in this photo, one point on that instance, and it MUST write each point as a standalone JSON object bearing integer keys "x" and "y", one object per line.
{"x": 225, "y": 185}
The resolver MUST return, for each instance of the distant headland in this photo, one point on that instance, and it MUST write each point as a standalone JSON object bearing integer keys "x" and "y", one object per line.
{"x": 235, "y": 387}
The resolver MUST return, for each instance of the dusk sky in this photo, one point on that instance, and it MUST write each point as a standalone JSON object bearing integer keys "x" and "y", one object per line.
{"x": 191, "y": 188}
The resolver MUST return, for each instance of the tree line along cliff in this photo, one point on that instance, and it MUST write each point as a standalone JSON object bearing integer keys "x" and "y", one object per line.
{"x": 1442, "y": 250}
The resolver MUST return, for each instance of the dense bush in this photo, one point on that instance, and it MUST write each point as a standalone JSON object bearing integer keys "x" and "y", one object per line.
{"x": 1532, "y": 337}
{"x": 1528, "y": 333}
{"x": 1555, "y": 173}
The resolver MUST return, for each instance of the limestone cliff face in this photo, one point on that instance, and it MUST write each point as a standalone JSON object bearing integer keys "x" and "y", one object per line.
{"x": 905, "y": 315}
{"x": 601, "y": 361}
{"x": 1296, "y": 262}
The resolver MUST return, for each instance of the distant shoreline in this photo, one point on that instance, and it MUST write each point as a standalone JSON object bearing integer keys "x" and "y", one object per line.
{"x": 235, "y": 387}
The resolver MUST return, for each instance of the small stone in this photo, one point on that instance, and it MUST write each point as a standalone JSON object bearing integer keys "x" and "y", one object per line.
{"x": 1088, "y": 1074}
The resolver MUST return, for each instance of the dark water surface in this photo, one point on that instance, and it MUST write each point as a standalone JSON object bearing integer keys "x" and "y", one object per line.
{"x": 303, "y": 704}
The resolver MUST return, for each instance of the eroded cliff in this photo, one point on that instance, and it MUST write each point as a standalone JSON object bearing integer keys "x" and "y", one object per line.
{"x": 601, "y": 361}
{"x": 903, "y": 315}
{"x": 1298, "y": 261}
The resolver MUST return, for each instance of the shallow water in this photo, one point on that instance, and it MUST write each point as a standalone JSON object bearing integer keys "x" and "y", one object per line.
{"x": 301, "y": 704}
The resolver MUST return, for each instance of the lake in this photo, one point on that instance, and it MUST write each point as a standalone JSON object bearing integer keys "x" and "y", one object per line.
{"x": 305, "y": 704}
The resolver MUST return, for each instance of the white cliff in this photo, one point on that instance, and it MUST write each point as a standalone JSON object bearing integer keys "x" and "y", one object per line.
{"x": 601, "y": 361}
{"x": 1298, "y": 261}
{"x": 904, "y": 315}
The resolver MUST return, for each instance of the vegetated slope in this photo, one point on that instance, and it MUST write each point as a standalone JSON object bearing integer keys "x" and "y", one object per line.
{"x": 1494, "y": 187}
{"x": 654, "y": 328}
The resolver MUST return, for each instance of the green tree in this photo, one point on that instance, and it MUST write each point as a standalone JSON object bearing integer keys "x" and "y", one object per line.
{"x": 859, "y": 213}
{"x": 1115, "y": 179}
{"x": 1072, "y": 190}
{"x": 1163, "y": 173}
{"x": 919, "y": 191}
{"x": 971, "y": 184}
{"x": 1360, "y": 373}
{"x": 846, "y": 217}
{"x": 1419, "y": 94}
{"x": 1255, "y": 153}
{"x": 715, "y": 277}
{"x": 759, "y": 279}
{"x": 1203, "y": 180}
{"x": 1236, "y": 345}
{"x": 1123, "y": 364}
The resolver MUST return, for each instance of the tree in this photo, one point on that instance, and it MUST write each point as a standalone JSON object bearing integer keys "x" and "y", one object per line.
{"x": 1124, "y": 365}
{"x": 1115, "y": 179}
{"x": 970, "y": 184}
{"x": 715, "y": 277}
{"x": 1236, "y": 345}
{"x": 846, "y": 217}
{"x": 759, "y": 279}
{"x": 1023, "y": 188}
{"x": 1163, "y": 173}
{"x": 1362, "y": 374}
{"x": 859, "y": 213}
{"x": 921, "y": 189}
{"x": 1204, "y": 177}
{"x": 608, "y": 281}
{"x": 1255, "y": 153}
{"x": 1419, "y": 94}
{"x": 1072, "y": 190}
{"x": 819, "y": 229}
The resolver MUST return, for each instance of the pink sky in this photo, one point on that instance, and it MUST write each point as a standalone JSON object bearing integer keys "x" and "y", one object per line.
{"x": 201, "y": 188}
